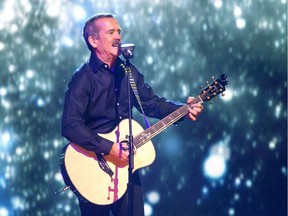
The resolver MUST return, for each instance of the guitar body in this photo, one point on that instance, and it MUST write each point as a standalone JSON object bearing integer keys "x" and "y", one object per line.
{"x": 81, "y": 171}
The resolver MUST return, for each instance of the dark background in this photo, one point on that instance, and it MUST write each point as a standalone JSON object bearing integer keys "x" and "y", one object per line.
{"x": 179, "y": 45}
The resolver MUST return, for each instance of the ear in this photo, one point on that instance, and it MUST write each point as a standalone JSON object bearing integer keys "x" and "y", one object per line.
{"x": 92, "y": 41}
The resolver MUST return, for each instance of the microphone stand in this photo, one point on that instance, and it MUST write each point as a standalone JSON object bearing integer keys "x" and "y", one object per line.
{"x": 130, "y": 143}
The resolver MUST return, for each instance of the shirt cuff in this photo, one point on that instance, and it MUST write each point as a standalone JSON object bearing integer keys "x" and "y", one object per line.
{"x": 104, "y": 146}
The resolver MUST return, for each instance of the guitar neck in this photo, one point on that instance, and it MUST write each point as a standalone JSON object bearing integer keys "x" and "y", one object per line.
{"x": 164, "y": 123}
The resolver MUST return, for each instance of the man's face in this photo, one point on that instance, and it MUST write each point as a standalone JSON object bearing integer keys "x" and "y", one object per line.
{"x": 109, "y": 38}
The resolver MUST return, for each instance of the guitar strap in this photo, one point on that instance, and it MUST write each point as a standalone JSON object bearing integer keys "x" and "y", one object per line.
{"x": 134, "y": 88}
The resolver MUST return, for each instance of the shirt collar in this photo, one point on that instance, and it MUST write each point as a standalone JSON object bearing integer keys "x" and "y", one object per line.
{"x": 96, "y": 63}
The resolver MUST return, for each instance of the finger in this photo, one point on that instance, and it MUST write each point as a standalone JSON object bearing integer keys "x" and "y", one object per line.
{"x": 199, "y": 105}
{"x": 197, "y": 110}
{"x": 193, "y": 112}
{"x": 192, "y": 117}
{"x": 125, "y": 157}
{"x": 190, "y": 99}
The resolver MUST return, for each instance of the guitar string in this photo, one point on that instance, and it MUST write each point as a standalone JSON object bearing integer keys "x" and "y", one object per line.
{"x": 161, "y": 125}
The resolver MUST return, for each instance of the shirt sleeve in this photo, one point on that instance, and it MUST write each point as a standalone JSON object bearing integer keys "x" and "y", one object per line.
{"x": 73, "y": 122}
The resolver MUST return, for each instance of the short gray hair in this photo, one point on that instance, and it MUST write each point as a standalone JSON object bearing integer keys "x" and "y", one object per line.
{"x": 91, "y": 29}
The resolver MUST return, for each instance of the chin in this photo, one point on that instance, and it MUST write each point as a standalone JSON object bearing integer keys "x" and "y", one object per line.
{"x": 116, "y": 54}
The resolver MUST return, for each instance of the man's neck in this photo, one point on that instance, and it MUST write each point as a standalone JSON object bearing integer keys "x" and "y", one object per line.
{"x": 107, "y": 60}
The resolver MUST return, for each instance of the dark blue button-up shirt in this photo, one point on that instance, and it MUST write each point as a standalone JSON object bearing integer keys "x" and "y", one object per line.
{"x": 96, "y": 101}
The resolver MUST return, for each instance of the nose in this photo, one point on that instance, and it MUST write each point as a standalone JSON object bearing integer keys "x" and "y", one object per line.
{"x": 117, "y": 36}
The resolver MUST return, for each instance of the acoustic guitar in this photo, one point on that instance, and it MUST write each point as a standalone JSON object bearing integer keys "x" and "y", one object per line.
{"x": 103, "y": 180}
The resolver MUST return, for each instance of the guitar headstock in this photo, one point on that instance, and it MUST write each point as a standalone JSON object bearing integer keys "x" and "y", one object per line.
{"x": 214, "y": 88}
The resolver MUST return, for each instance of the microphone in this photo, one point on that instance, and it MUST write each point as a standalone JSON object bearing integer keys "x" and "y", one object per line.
{"x": 127, "y": 50}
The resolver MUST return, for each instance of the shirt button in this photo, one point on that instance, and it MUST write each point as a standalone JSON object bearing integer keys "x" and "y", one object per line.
{"x": 120, "y": 117}
{"x": 118, "y": 104}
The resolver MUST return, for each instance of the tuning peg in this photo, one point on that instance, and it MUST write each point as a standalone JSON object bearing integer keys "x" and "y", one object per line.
{"x": 213, "y": 78}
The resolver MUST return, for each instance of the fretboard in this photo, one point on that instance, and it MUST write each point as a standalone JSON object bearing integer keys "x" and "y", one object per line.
{"x": 164, "y": 123}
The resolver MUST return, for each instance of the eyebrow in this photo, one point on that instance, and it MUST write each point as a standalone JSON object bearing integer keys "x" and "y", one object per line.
{"x": 113, "y": 30}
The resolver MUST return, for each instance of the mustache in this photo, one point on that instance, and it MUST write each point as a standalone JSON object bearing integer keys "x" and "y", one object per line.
{"x": 116, "y": 43}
